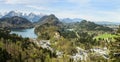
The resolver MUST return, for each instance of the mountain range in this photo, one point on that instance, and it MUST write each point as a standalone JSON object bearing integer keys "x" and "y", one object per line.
{"x": 88, "y": 25}
{"x": 107, "y": 23}
{"x": 19, "y": 20}
{"x": 69, "y": 20}
{"x": 31, "y": 16}
{"x": 34, "y": 17}
{"x": 0, "y": 15}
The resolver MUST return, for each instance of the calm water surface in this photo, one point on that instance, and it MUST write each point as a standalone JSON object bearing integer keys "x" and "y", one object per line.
{"x": 25, "y": 32}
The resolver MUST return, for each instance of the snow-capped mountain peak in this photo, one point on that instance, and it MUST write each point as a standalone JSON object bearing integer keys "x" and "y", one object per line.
{"x": 31, "y": 16}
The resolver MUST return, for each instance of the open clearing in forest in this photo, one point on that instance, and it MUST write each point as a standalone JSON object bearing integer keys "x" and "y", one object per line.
{"x": 106, "y": 36}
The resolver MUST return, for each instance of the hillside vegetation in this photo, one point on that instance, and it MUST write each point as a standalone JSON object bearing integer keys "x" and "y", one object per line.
{"x": 75, "y": 42}
{"x": 59, "y": 42}
{"x": 15, "y": 22}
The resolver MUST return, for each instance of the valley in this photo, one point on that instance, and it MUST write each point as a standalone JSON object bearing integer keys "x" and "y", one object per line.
{"x": 51, "y": 40}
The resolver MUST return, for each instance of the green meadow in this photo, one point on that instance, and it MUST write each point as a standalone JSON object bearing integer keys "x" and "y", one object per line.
{"x": 106, "y": 36}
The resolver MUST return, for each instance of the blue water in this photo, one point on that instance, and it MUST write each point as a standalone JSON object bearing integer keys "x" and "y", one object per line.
{"x": 25, "y": 32}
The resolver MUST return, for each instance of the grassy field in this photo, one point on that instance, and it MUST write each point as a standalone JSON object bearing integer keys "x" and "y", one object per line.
{"x": 106, "y": 36}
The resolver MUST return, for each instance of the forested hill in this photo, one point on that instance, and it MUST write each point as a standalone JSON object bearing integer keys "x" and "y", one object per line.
{"x": 51, "y": 24}
{"x": 15, "y": 22}
{"x": 87, "y": 25}
{"x": 47, "y": 26}
{"x": 50, "y": 20}
{"x": 14, "y": 48}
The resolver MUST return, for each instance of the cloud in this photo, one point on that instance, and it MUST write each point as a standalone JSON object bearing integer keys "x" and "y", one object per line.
{"x": 29, "y": 1}
{"x": 1, "y": 0}
{"x": 37, "y": 7}
{"x": 43, "y": 1}
{"x": 79, "y": 1}
{"x": 44, "y": 9}
{"x": 15, "y": 1}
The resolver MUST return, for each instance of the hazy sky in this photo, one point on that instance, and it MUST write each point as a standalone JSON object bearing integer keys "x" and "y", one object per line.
{"x": 93, "y": 10}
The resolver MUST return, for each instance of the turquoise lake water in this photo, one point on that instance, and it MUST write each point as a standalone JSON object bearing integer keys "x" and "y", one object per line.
{"x": 25, "y": 32}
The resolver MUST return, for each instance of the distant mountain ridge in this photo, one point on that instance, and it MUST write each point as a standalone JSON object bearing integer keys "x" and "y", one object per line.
{"x": 1, "y": 15}
{"x": 92, "y": 26}
{"x": 36, "y": 17}
{"x": 107, "y": 23}
{"x": 69, "y": 20}
{"x": 88, "y": 26}
{"x": 31, "y": 16}
{"x": 12, "y": 14}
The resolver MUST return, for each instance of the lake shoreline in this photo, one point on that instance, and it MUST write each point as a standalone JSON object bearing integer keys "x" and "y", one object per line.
{"x": 25, "y": 33}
